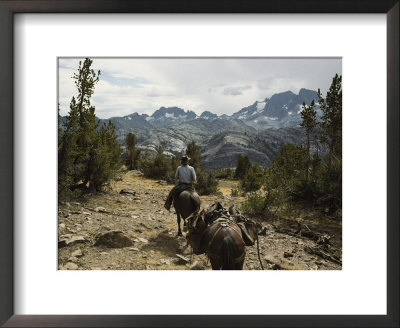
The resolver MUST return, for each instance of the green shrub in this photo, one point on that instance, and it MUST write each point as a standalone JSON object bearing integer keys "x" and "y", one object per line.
{"x": 234, "y": 192}
{"x": 224, "y": 173}
{"x": 252, "y": 180}
{"x": 207, "y": 183}
{"x": 254, "y": 204}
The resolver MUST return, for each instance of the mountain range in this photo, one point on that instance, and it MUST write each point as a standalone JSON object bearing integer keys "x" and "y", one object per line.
{"x": 258, "y": 130}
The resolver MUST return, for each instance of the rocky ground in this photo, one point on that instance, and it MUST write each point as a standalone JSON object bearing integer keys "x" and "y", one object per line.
{"x": 145, "y": 233}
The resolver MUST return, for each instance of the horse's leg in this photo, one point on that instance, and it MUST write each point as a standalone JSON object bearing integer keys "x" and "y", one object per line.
{"x": 178, "y": 217}
{"x": 239, "y": 265}
{"x": 215, "y": 264}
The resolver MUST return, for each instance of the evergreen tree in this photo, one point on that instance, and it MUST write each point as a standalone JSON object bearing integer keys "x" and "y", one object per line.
{"x": 331, "y": 120}
{"x": 331, "y": 135}
{"x": 87, "y": 157}
{"x": 193, "y": 151}
{"x": 253, "y": 179}
{"x": 173, "y": 165}
{"x": 132, "y": 153}
{"x": 105, "y": 157}
{"x": 309, "y": 116}
{"x": 243, "y": 164}
{"x": 86, "y": 136}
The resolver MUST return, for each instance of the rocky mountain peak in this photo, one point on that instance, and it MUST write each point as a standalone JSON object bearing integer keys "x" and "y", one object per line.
{"x": 208, "y": 115}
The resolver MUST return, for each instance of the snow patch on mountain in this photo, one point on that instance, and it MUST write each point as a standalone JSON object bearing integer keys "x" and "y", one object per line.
{"x": 260, "y": 106}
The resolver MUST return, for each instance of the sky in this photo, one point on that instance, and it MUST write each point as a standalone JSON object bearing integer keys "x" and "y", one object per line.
{"x": 219, "y": 85}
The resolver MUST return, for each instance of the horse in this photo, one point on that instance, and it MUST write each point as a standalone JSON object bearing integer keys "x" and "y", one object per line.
{"x": 221, "y": 240}
{"x": 186, "y": 203}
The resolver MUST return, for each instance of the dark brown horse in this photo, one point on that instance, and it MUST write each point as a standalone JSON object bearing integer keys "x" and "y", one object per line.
{"x": 186, "y": 203}
{"x": 221, "y": 240}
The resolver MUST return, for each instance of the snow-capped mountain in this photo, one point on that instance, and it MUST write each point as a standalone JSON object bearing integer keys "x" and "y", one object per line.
{"x": 208, "y": 115}
{"x": 224, "y": 136}
{"x": 170, "y": 116}
{"x": 281, "y": 110}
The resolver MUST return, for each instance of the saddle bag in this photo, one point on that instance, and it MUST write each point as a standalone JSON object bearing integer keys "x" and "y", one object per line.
{"x": 249, "y": 232}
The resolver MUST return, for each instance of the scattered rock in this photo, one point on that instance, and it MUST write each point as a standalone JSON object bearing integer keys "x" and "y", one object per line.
{"x": 76, "y": 212}
{"x": 61, "y": 225}
{"x": 276, "y": 267}
{"x": 196, "y": 266}
{"x": 133, "y": 249}
{"x": 135, "y": 172}
{"x": 268, "y": 260}
{"x": 181, "y": 259}
{"x": 100, "y": 209}
{"x": 86, "y": 213}
{"x": 73, "y": 259}
{"x": 128, "y": 192}
{"x": 69, "y": 239}
{"x": 165, "y": 261}
{"x": 287, "y": 255}
{"x": 77, "y": 253}
{"x": 70, "y": 266}
{"x": 134, "y": 216}
{"x": 113, "y": 239}
{"x": 143, "y": 240}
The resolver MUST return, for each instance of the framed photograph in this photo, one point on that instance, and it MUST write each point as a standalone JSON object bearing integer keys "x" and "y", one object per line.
{"x": 240, "y": 99}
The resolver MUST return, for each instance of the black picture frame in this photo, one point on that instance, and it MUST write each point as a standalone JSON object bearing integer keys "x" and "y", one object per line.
{"x": 10, "y": 7}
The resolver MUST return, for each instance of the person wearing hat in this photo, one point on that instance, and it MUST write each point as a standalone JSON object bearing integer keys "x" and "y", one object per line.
{"x": 186, "y": 176}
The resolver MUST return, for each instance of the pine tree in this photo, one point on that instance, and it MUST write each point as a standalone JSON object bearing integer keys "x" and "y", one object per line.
{"x": 132, "y": 153}
{"x": 193, "y": 151}
{"x": 243, "y": 164}
{"x": 331, "y": 120}
{"x": 309, "y": 116}
{"x": 331, "y": 135}
{"x": 87, "y": 157}
{"x": 253, "y": 179}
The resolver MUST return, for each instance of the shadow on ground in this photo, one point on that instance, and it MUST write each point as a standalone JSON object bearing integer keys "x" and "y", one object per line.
{"x": 166, "y": 244}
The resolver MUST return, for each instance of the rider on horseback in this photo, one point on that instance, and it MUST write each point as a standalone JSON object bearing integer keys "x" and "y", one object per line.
{"x": 186, "y": 175}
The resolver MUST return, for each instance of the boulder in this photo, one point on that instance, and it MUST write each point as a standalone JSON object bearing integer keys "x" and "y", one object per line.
{"x": 114, "y": 239}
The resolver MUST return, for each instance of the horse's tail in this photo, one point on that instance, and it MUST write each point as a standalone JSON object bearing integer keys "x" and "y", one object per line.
{"x": 227, "y": 250}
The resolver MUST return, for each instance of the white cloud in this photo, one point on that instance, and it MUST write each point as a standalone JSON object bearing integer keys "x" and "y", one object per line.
{"x": 235, "y": 91}
{"x": 143, "y": 85}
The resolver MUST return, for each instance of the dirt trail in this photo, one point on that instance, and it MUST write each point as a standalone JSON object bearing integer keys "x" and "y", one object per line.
{"x": 143, "y": 219}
